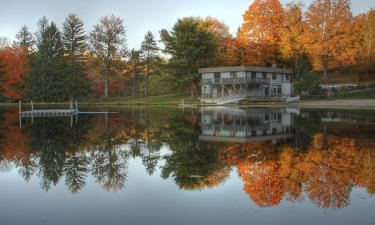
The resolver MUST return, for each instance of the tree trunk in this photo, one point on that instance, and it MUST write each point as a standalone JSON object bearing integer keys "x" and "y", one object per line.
{"x": 325, "y": 68}
{"x": 106, "y": 89}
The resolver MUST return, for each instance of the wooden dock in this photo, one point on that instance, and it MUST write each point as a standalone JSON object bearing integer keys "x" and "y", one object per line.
{"x": 49, "y": 112}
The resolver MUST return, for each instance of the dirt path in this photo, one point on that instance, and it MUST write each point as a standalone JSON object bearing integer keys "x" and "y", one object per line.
{"x": 342, "y": 104}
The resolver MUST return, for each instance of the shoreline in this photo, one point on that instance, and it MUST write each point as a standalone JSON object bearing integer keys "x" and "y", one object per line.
{"x": 318, "y": 104}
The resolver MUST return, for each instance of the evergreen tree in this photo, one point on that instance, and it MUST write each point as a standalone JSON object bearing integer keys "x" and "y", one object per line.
{"x": 150, "y": 51}
{"x": 135, "y": 68}
{"x": 74, "y": 40}
{"x": 48, "y": 69}
{"x": 190, "y": 46}
{"x": 25, "y": 39}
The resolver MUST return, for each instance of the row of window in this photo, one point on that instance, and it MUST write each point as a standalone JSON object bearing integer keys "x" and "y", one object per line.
{"x": 217, "y": 75}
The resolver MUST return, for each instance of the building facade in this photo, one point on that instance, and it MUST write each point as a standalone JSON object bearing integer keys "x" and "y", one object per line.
{"x": 230, "y": 84}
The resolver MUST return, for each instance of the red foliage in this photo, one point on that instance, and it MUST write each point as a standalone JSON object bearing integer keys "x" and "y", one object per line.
{"x": 15, "y": 65}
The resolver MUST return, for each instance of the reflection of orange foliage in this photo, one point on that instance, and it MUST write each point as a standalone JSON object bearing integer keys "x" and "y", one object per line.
{"x": 326, "y": 172}
{"x": 214, "y": 179}
{"x": 263, "y": 183}
{"x": 15, "y": 146}
{"x": 331, "y": 173}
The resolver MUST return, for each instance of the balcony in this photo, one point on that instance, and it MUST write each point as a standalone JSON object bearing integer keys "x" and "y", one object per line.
{"x": 241, "y": 80}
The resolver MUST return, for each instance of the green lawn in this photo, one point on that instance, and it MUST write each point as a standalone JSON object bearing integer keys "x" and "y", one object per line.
{"x": 152, "y": 100}
{"x": 362, "y": 94}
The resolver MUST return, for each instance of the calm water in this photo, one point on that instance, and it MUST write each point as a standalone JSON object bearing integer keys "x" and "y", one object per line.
{"x": 211, "y": 166}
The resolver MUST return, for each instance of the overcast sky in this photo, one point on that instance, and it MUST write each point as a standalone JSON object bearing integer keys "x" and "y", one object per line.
{"x": 139, "y": 15}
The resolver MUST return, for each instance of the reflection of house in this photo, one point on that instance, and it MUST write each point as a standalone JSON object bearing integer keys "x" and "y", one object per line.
{"x": 230, "y": 84}
{"x": 245, "y": 125}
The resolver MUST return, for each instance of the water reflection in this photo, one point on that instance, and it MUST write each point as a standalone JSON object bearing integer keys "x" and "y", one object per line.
{"x": 316, "y": 156}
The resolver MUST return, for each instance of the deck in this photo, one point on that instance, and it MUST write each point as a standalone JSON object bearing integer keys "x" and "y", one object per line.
{"x": 50, "y": 113}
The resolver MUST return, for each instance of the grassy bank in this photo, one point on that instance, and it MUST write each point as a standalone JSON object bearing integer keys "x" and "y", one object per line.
{"x": 171, "y": 100}
{"x": 360, "y": 94}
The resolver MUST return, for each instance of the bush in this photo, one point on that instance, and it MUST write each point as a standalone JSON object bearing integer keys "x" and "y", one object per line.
{"x": 309, "y": 85}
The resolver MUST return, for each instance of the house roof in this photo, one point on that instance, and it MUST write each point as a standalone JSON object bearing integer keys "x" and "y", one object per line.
{"x": 244, "y": 69}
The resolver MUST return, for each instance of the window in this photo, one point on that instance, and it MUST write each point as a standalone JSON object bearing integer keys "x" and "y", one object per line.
{"x": 233, "y": 75}
{"x": 287, "y": 77}
{"x": 217, "y": 75}
{"x": 274, "y": 76}
{"x": 279, "y": 90}
{"x": 253, "y": 74}
{"x": 264, "y": 75}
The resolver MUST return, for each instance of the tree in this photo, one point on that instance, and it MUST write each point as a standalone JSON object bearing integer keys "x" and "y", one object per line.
{"x": 134, "y": 68}
{"x": 149, "y": 51}
{"x": 75, "y": 46}
{"x": 309, "y": 84}
{"x": 260, "y": 32}
{"x": 365, "y": 31}
{"x": 74, "y": 37}
{"x": 47, "y": 67}
{"x": 25, "y": 39}
{"x": 220, "y": 30}
{"x": 108, "y": 40}
{"x": 292, "y": 44}
{"x": 13, "y": 69}
{"x": 190, "y": 46}
{"x": 328, "y": 24}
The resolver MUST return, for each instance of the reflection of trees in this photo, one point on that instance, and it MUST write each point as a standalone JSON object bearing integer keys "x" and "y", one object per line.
{"x": 326, "y": 171}
{"x": 323, "y": 166}
{"x": 192, "y": 165}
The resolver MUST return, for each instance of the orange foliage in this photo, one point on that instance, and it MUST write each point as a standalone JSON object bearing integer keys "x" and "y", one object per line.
{"x": 260, "y": 32}
{"x": 15, "y": 63}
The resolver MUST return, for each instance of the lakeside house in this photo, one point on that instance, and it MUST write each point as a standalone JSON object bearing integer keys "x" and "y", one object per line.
{"x": 222, "y": 85}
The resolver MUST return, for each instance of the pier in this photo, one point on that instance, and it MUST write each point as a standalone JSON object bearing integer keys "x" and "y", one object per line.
{"x": 49, "y": 112}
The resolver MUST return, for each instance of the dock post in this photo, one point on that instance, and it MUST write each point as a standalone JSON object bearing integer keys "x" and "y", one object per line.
{"x": 32, "y": 105}
{"x": 19, "y": 107}
{"x": 76, "y": 105}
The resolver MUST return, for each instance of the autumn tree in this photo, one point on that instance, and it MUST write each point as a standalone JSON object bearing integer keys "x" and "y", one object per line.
{"x": 328, "y": 39}
{"x": 149, "y": 53}
{"x": 292, "y": 44}
{"x": 75, "y": 45}
{"x": 365, "y": 31}
{"x": 108, "y": 40}
{"x": 260, "y": 32}
{"x": 13, "y": 70}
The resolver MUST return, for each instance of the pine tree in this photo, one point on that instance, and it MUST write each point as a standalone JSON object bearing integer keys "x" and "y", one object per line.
{"x": 25, "y": 39}
{"x": 149, "y": 51}
{"x": 74, "y": 40}
{"x": 48, "y": 69}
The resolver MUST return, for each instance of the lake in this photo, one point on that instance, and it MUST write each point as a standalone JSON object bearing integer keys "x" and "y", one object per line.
{"x": 194, "y": 166}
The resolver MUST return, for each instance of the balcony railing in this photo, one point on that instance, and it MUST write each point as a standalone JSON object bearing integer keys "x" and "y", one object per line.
{"x": 241, "y": 80}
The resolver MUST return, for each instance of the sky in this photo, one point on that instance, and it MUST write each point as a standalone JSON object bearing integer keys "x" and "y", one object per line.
{"x": 139, "y": 16}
